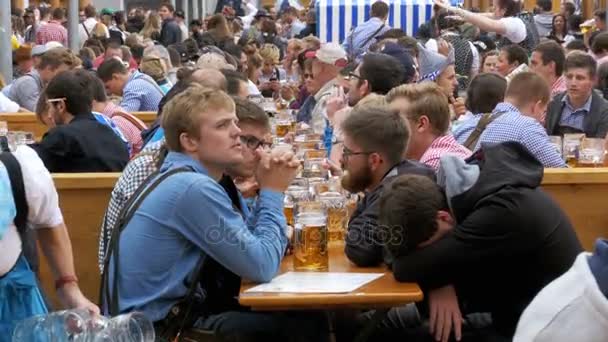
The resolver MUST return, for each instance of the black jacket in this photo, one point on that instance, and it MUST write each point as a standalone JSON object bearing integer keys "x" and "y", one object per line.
{"x": 170, "y": 33}
{"x": 365, "y": 240}
{"x": 83, "y": 145}
{"x": 595, "y": 123}
{"x": 511, "y": 239}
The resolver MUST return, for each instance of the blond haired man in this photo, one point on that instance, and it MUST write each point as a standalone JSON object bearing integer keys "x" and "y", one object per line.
{"x": 190, "y": 220}
{"x": 425, "y": 106}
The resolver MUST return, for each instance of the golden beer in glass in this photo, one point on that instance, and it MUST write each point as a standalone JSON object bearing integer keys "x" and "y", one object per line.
{"x": 571, "y": 146}
{"x": 282, "y": 128}
{"x": 337, "y": 214}
{"x": 310, "y": 242}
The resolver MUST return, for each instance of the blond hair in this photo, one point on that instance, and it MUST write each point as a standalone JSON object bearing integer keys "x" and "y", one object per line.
{"x": 427, "y": 99}
{"x": 153, "y": 67}
{"x": 182, "y": 114}
{"x": 270, "y": 52}
{"x": 151, "y": 24}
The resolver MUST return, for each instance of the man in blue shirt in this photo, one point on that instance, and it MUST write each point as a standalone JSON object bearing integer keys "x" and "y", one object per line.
{"x": 139, "y": 92}
{"x": 189, "y": 216}
{"x": 360, "y": 39}
{"x": 516, "y": 119}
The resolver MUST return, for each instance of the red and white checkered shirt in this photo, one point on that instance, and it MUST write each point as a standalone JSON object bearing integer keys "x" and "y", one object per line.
{"x": 443, "y": 145}
{"x": 559, "y": 86}
{"x": 128, "y": 129}
{"x": 52, "y": 32}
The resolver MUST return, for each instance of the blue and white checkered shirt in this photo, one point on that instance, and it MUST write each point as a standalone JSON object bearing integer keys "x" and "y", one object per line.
{"x": 513, "y": 126}
{"x": 141, "y": 94}
{"x": 572, "y": 117}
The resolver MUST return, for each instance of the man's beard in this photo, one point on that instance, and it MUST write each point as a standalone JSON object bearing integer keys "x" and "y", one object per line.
{"x": 357, "y": 181}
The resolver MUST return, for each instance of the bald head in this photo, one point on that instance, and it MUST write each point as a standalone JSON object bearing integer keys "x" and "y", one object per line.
{"x": 210, "y": 78}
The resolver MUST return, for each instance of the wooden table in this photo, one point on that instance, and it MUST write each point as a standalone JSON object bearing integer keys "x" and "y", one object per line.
{"x": 384, "y": 292}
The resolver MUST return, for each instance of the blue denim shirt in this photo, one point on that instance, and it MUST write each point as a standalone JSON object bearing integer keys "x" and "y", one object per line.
{"x": 574, "y": 117}
{"x": 189, "y": 215}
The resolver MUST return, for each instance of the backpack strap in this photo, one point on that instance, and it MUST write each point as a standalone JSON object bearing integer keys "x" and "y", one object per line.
{"x": 483, "y": 123}
{"x": 127, "y": 212}
{"x": 28, "y": 237}
{"x": 86, "y": 30}
{"x": 132, "y": 119}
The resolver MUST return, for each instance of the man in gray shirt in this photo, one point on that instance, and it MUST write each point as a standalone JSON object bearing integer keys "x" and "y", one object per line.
{"x": 26, "y": 89}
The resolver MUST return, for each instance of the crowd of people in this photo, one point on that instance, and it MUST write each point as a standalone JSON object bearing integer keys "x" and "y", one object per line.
{"x": 445, "y": 135}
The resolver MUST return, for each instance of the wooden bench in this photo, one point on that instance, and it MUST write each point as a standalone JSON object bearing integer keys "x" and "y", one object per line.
{"x": 28, "y": 122}
{"x": 83, "y": 199}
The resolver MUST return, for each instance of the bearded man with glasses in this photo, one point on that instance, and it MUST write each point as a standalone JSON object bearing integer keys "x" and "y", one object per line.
{"x": 375, "y": 139}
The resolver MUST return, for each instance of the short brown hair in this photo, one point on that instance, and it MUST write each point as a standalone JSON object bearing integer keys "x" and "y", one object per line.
{"x": 89, "y": 11}
{"x": 251, "y": 113}
{"x": 528, "y": 87}
{"x": 551, "y": 51}
{"x": 379, "y": 9}
{"x": 182, "y": 113}
{"x": 168, "y": 5}
{"x": 426, "y": 99}
{"x": 408, "y": 209}
{"x": 581, "y": 60}
{"x": 56, "y": 57}
{"x": 371, "y": 127}
{"x": 58, "y": 14}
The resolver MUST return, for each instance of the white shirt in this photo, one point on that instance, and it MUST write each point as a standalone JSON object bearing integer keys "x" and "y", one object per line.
{"x": 253, "y": 89}
{"x": 515, "y": 29}
{"x": 571, "y": 308}
{"x": 42, "y": 200}
{"x": 185, "y": 32}
{"x": 7, "y": 105}
{"x": 89, "y": 23}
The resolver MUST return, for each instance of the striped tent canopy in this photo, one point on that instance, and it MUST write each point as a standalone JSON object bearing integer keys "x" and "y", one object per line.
{"x": 335, "y": 18}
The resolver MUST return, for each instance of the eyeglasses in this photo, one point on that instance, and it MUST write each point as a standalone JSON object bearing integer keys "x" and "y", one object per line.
{"x": 308, "y": 76}
{"x": 346, "y": 153}
{"x": 59, "y": 99}
{"x": 254, "y": 143}
{"x": 351, "y": 76}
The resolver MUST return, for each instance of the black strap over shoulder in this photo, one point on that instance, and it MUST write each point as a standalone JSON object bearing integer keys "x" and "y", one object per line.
{"x": 28, "y": 237}
{"x": 127, "y": 212}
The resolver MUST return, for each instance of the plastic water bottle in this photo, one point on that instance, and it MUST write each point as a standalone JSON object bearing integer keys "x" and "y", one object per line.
{"x": 32, "y": 330}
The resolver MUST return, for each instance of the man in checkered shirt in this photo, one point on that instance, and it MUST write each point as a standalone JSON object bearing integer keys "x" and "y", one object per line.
{"x": 516, "y": 119}
{"x": 54, "y": 30}
{"x": 426, "y": 108}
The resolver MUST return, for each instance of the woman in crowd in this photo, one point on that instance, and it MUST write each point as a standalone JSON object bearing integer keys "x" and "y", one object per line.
{"x": 294, "y": 47}
{"x": 489, "y": 61}
{"x": 272, "y": 75}
{"x": 504, "y": 23}
{"x": 559, "y": 30}
{"x": 254, "y": 70}
{"x": 152, "y": 25}
{"x": 512, "y": 60}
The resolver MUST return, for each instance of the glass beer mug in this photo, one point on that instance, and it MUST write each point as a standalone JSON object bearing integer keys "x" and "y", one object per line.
{"x": 310, "y": 242}
{"x": 337, "y": 214}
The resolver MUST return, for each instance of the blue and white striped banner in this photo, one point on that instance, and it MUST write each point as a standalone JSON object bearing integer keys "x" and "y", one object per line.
{"x": 335, "y": 18}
